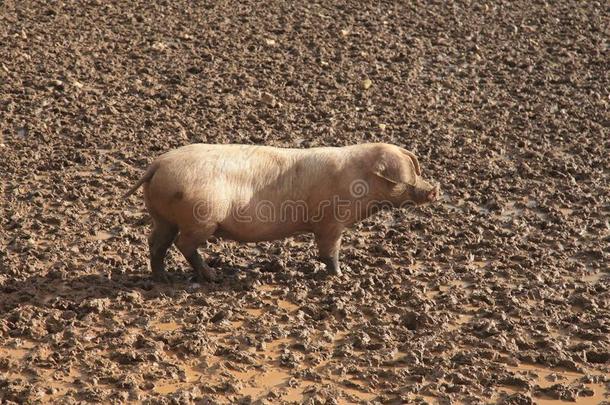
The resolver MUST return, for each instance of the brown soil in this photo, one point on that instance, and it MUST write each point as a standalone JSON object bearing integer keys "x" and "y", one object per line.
{"x": 500, "y": 293}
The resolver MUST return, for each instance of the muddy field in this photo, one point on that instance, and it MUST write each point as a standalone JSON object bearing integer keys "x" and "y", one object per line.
{"x": 499, "y": 293}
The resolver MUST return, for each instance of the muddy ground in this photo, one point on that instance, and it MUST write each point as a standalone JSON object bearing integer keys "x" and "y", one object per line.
{"x": 500, "y": 293}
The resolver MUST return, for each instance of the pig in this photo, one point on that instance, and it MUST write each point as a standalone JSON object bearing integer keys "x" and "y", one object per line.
{"x": 251, "y": 193}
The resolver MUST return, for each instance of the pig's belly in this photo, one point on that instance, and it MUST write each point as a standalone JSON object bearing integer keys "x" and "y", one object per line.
{"x": 259, "y": 232}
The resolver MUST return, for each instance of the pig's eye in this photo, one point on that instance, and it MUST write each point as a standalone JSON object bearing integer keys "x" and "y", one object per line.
{"x": 400, "y": 189}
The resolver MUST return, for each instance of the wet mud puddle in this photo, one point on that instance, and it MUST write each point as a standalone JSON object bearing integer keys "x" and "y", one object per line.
{"x": 57, "y": 383}
{"x": 263, "y": 375}
{"x": 556, "y": 386}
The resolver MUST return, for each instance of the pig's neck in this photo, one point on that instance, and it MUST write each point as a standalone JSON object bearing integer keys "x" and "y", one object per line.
{"x": 369, "y": 206}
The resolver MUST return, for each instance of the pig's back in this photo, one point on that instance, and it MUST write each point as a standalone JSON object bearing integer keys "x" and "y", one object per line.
{"x": 248, "y": 166}
{"x": 243, "y": 173}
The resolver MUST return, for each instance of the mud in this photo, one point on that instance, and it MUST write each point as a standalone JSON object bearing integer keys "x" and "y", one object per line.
{"x": 499, "y": 293}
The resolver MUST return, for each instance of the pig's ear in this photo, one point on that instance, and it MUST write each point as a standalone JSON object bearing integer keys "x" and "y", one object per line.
{"x": 412, "y": 156}
{"x": 396, "y": 169}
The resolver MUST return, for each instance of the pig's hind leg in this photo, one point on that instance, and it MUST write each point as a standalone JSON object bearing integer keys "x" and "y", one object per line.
{"x": 329, "y": 243}
{"x": 159, "y": 241}
{"x": 188, "y": 242}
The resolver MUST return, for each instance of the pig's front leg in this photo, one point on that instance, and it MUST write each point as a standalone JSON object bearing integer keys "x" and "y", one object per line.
{"x": 329, "y": 243}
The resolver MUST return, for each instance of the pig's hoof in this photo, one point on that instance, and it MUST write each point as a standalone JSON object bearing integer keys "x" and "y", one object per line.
{"x": 161, "y": 277}
{"x": 207, "y": 275}
{"x": 332, "y": 266}
{"x": 335, "y": 272}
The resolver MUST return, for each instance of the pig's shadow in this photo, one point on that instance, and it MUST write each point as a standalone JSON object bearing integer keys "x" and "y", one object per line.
{"x": 69, "y": 292}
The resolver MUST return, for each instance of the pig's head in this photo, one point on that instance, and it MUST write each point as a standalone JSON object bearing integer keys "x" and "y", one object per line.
{"x": 398, "y": 178}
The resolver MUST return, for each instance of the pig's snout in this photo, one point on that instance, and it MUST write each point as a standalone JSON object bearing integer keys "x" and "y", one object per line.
{"x": 434, "y": 193}
{"x": 426, "y": 192}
